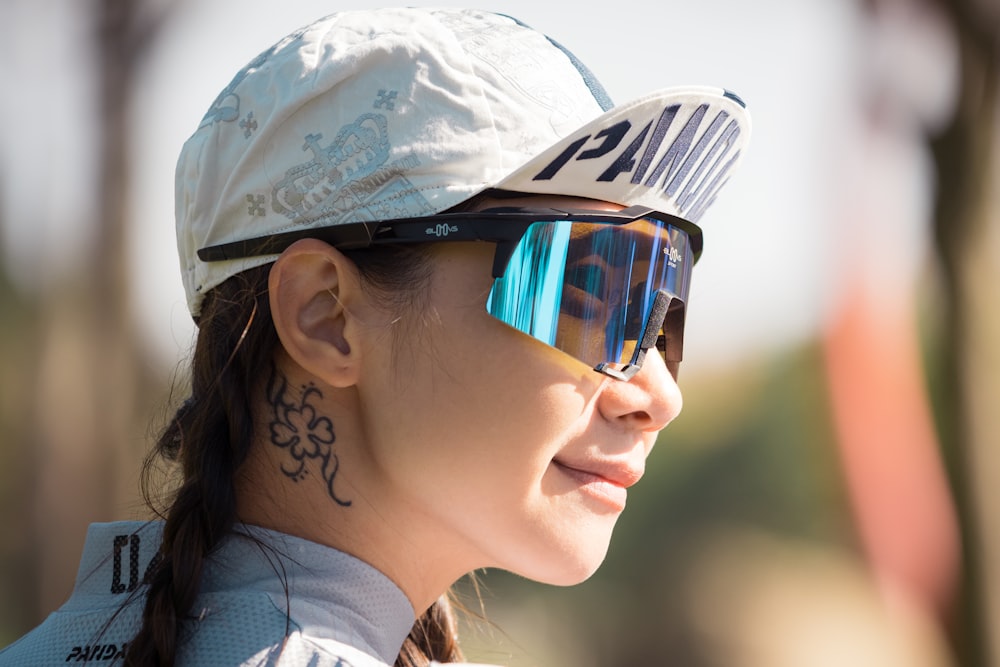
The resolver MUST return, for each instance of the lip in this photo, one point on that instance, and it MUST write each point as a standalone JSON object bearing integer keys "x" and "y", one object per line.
{"x": 619, "y": 473}
{"x": 604, "y": 480}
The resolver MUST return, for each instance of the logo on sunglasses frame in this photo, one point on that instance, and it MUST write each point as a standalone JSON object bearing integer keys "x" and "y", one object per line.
{"x": 441, "y": 229}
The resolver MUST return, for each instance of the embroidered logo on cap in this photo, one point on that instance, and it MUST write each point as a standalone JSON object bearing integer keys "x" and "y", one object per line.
{"x": 350, "y": 175}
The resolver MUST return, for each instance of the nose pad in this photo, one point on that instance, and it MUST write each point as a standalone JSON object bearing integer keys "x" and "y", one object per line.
{"x": 654, "y": 321}
{"x": 670, "y": 342}
{"x": 665, "y": 315}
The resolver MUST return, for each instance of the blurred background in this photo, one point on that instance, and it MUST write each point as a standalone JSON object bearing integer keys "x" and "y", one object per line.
{"x": 826, "y": 498}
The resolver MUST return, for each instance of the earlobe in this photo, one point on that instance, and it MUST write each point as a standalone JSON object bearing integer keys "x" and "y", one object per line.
{"x": 312, "y": 288}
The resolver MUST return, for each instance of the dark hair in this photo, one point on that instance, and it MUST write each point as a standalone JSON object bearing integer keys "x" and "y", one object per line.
{"x": 210, "y": 437}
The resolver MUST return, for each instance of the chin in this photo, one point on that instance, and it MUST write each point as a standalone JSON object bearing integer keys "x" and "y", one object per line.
{"x": 574, "y": 577}
{"x": 575, "y": 574}
{"x": 567, "y": 564}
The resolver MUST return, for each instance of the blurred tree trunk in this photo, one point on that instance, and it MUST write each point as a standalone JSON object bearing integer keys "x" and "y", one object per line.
{"x": 967, "y": 231}
{"x": 91, "y": 426}
{"x": 18, "y": 333}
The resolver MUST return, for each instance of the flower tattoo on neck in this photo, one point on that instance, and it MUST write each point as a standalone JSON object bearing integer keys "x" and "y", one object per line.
{"x": 306, "y": 435}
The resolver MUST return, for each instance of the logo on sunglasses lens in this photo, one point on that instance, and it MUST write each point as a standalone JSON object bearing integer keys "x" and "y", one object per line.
{"x": 673, "y": 255}
{"x": 441, "y": 229}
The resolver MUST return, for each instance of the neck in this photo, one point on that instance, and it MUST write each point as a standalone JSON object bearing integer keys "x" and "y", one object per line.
{"x": 308, "y": 475}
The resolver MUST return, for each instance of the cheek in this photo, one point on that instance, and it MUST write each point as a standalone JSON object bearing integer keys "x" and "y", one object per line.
{"x": 484, "y": 412}
{"x": 471, "y": 451}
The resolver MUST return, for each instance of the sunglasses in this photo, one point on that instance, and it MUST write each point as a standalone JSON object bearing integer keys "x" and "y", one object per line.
{"x": 604, "y": 287}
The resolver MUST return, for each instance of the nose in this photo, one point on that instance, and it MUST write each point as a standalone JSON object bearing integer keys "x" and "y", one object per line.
{"x": 647, "y": 402}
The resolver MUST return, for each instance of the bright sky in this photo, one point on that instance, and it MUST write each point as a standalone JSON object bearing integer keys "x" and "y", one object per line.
{"x": 765, "y": 279}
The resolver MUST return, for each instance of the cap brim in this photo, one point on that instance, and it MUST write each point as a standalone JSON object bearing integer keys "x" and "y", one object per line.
{"x": 671, "y": 150}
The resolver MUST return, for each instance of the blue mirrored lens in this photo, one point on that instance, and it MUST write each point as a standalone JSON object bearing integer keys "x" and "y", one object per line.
{"x": 587, "y": 288}
{"x": 528, "y": 296}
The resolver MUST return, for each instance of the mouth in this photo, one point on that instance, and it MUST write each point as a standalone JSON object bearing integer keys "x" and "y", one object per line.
{"x": 618, "y": 473}
{"x": 605, "y": 481}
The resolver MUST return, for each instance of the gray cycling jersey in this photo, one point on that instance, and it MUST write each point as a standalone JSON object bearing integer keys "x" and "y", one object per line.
{"x": 337, "y": 611}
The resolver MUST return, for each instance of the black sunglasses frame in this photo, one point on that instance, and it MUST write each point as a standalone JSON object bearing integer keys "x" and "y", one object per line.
{"x": 503, "y": 225}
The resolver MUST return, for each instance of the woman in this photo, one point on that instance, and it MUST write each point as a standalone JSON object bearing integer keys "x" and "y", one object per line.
{"x": 440, "y": 291}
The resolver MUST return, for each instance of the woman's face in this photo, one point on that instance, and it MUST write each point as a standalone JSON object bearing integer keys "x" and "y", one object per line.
{"x": 497, "y": 449}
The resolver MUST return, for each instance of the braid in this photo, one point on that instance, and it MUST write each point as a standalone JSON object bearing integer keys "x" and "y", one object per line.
{"x": 210, "y": 437}
{"x": 434, "y": 637}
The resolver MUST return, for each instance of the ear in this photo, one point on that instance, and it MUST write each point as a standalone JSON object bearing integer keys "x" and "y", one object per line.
{"x": 312, "y": 287}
